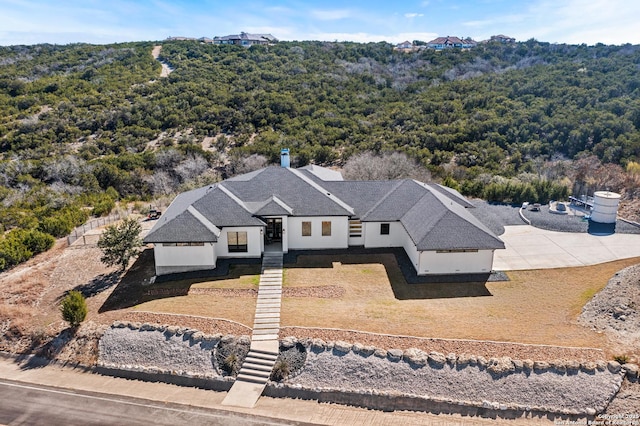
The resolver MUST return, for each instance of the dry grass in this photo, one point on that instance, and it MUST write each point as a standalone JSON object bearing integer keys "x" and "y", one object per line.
{"x": 240, "y": 309}
{"x": 538, "y": 306}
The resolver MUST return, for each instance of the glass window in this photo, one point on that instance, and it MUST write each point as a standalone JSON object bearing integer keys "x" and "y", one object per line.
{"x": 237, "y": 242}
{"x": 384, "y": 229}
{"x": 306, "y": 229}
{"x": 326, "y": 228}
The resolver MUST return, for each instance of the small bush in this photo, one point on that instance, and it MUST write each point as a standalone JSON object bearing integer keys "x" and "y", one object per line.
{"x": 231, "y": 364}
{"x": 74, "y": 308}
{"x": 621, "y": 359}
{"x": 103, "y": 207}
{"x": 229, "y": 355}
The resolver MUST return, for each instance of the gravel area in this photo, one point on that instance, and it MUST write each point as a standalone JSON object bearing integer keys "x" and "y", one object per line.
{"x": 616, "y": 309}
{"x": 471, "y": 385}
{"x": 203, "y": 324}
{"x": 497, "y": 216}
{"x": 321, "y": 292}
{"x": 153, "y": 350}
{"x": 463, "y": 379}
{"x": 627, "y": 401}
{"x": 230, "y": 354}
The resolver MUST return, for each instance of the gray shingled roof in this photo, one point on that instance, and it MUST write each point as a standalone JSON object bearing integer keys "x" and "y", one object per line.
{"x": 181, "y": 228}
{"x": 270, "y": 207}
{"x": 436, "y": 222}
{"x": 396, "y": 203}
{"x": 222, "y": 210}
{"x": 434, "y": 216}
{"x": 453, "y": 194}
{"x": 293, "y": 191}
{"x": 361, "y": 195}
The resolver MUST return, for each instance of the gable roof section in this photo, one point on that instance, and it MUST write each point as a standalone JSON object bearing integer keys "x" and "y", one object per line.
{"x": 296, "y": 190}
{"x": 222, "y": 210}
{"x": 396, "y": 203}
{"x": 361, "y": 195}
{"x": 436, "y": 222}
{"x": 270, "y": 207}
{"x": 184, "y": 227}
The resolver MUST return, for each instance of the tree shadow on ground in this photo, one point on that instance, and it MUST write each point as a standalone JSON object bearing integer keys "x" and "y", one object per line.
{"x": 139, "y": 284}
{"x": 405, "y": 282}
{"x": 99, "y": 284}
{"x": 40, "y": 356}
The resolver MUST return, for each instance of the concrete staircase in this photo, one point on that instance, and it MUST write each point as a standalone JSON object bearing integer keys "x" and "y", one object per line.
{"x": 259, "y": 362}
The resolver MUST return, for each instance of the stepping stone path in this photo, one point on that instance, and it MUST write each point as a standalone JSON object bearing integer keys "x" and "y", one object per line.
{"x": 257, "y": 366}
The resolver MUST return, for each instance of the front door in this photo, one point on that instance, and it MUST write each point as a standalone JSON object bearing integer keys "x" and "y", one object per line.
{"x": 274, "y": 230}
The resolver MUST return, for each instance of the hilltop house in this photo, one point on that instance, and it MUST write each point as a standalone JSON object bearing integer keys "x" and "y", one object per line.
{"x": 406, "y": 46}
{"x": 449, "y": 42}
{"x": 245, "y": 39}
{"x": 501, "y": 38}
{"x": 314, "y": 208}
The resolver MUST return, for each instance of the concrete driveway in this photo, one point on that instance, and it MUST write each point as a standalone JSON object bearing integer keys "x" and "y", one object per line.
{"x": 528, "y": 247}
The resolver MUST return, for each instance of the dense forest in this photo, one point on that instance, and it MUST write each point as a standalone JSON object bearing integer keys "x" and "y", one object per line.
{"x": 84, "y": 126}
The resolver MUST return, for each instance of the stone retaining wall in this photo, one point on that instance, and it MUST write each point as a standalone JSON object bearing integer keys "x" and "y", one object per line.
{"x": 376, "y": 378}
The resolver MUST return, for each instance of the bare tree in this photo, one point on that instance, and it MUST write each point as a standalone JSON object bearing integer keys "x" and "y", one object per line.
{"x": 240, "y": 165}
{"x": 191, "y": 167}
{"x": 396, "y": 165}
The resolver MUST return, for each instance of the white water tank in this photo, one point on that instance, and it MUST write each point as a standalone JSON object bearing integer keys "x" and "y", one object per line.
{"x": 605, "y": 207}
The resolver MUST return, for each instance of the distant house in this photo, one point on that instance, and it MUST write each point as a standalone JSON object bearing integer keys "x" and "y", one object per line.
{"x": 500, "y": 38}
{"x": 311, "y": 208}
{"x": 181, "y": 38}
{"x": 405, "y": 45}
{"x": 245, "y": 39}
{"x": 449, "y": 42}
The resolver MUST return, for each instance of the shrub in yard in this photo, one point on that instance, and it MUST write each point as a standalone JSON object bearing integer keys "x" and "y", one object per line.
{"x": 290, "y": 361}
{"x": 231, "y": 364}
{"x": 281, "y": 370}
{"x": 230, "y": 353}
{"x": 74, "y": 308}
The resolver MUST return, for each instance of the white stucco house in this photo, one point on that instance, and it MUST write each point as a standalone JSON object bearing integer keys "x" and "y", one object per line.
{"x": 314, "y": 208}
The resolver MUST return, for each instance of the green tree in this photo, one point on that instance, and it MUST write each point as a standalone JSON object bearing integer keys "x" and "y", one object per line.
{"x": 119, "y": 243}
{"x": 74, "y": 308}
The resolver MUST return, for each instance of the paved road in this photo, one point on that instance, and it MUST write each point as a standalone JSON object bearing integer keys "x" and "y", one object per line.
{"x": 27, "y": 404}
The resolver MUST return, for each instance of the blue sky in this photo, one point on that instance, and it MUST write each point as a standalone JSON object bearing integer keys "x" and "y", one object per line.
{"x": 107, "y": 21}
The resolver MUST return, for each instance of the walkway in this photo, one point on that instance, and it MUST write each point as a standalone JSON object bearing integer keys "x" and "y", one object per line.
{"x": 528, "y": 247}
{"x": 257, "y": 366}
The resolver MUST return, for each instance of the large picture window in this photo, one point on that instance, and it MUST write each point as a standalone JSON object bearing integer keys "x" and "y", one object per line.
{"x": 384, "y": 229}
{"x": 326, "y": 228}
{"x": 237, "y": 242}
{"x": 306, "y": 229}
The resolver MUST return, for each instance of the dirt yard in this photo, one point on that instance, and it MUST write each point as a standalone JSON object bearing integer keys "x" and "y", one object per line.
{"x": 355, "y": 292}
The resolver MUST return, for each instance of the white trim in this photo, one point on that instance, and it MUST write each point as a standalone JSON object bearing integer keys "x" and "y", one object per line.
{"x": 314, "y": 185}
{"x": 202, "y": 219}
